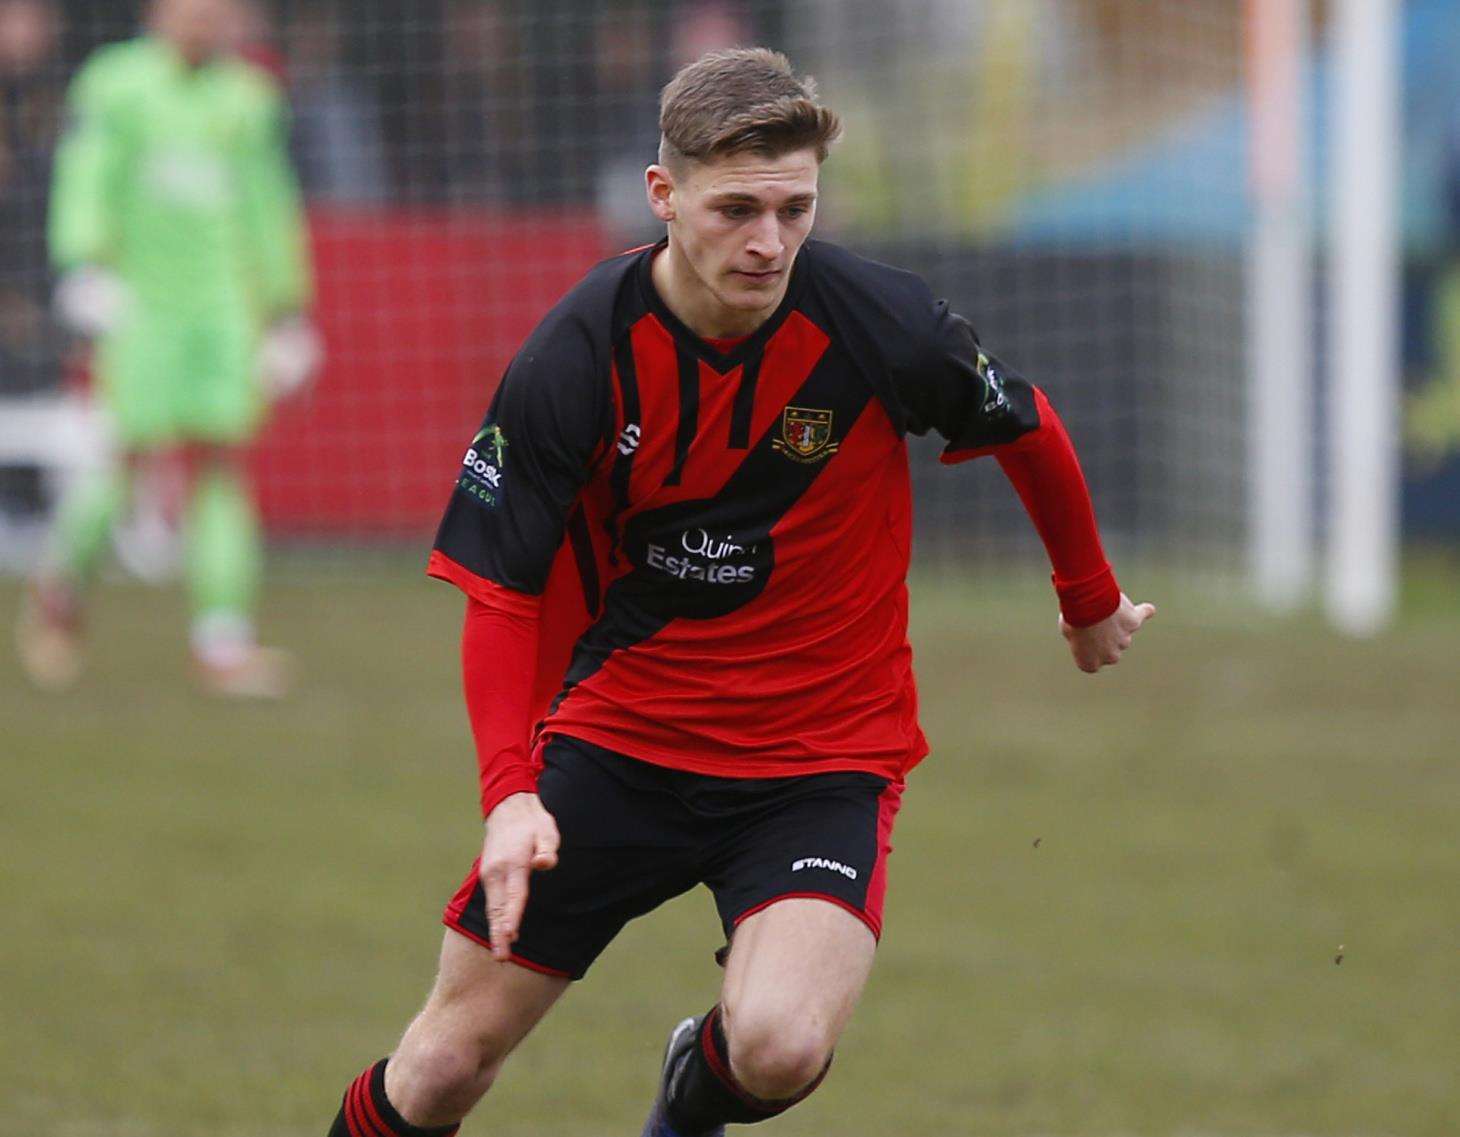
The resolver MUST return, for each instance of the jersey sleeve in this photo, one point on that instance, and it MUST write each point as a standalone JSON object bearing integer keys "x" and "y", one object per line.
{"x": 525, "y": 467}
{"x": 272, "y": 214}
{"x": 955, "y": 387}
{"x": 88, "y": 169}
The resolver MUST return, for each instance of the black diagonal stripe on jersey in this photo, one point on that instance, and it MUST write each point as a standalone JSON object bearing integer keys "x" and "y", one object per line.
{"x": 740, "y": 417}
{"x": 624, "y": 449}
{"x": 757, "y": 495}
{"x": 583, "y": 554}
{"x": 689, "y": 410}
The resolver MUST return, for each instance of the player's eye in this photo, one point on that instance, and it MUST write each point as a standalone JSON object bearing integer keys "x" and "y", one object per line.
{"x": 737, "y": 212}
{"x": 794, "y": 211}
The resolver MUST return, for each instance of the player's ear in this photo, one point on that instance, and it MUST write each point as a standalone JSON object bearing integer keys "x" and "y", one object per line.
{"x": 659, "y": 184}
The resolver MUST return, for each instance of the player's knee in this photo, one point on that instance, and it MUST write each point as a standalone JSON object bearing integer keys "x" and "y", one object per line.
{"x": 435, "y": 1080}
{"x": 775, "y": 1059}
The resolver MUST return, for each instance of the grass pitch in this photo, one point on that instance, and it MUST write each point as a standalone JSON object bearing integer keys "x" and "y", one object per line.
{"x": 1116, "y": 905}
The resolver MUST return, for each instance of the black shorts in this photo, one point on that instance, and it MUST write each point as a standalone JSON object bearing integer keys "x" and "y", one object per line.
{"x": 635, "y": 835}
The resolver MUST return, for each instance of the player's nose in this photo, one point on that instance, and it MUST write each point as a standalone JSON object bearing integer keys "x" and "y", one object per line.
{"x": 765, "y": 239}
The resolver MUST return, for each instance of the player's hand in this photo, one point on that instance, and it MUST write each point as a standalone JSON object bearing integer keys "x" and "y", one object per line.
{"x": 91, "y": 301}
{"x": 522, "y": 838}
{"x": 290, "y": 355}
{"x": 1101, "y": 645}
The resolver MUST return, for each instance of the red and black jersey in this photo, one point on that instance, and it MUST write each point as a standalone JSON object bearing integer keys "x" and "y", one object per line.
{"x": 720, "y": 538}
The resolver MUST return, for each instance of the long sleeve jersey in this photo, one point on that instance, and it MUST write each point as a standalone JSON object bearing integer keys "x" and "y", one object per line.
{"x": 703, "y": 553}
{"x": 177, "y": 178}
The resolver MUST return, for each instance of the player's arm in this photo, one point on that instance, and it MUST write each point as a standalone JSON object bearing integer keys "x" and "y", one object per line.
{"x": 983, "y": 407}
{"x": 86, "y": 199}
{"x": 519, "y": 478}
{"x": 277, "y": 237}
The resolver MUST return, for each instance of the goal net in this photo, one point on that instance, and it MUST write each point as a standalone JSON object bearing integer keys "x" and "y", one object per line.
{"x": 1069, "y": 173}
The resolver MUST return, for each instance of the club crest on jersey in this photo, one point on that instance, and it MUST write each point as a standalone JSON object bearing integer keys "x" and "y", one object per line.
{"x": 805, "y": 435}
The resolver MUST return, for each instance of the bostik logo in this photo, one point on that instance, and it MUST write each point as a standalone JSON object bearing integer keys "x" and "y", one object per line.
{"x": 482, "y": 465}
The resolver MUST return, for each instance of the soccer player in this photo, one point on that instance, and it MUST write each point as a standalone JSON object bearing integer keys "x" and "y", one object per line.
{"x": 176, "y": 226}
{"x": 683, "y": 535}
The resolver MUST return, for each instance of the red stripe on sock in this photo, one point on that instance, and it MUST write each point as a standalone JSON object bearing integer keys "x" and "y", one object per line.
{"x": 371, "y": 1113}
{"x": 353, "y": 1116}
{"x": 720, "y": 1067}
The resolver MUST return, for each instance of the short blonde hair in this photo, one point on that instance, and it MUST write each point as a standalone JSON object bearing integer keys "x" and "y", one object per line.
{"x": 739, "y": 100}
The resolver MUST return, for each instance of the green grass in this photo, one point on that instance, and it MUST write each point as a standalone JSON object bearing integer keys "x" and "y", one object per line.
{"x": 214, "y": 915}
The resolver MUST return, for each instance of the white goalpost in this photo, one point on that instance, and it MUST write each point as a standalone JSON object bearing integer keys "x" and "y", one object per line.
{"x": 1362, "y": 387}
{"x": 1363, "y": 465}
{"x": 1280, "y": 306}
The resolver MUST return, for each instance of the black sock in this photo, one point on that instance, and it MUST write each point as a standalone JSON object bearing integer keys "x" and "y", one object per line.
{"x": 703, "y": 1093}
{"x": 367, "y": 1112}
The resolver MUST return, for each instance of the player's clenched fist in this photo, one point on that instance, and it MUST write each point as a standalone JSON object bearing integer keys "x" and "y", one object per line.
{"x": 1102, "y": 644}
{"x": 521, "y": 838}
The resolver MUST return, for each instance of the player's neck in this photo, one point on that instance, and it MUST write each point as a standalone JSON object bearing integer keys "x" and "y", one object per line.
{"x": 699, "y": 309}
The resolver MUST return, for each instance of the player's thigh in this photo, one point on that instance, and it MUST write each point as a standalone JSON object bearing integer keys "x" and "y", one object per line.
{"x": 224, "y": 400}
{"x": 626, "y": 847}
{"x": 478, "y": 1011}
{"x": 141, "y": 378}
{"x": 794, "y": 975}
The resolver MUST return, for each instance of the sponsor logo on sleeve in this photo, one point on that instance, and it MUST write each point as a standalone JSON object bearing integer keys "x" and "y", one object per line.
{"x": 481, "y": 469}
{"x": 995, "y": 401}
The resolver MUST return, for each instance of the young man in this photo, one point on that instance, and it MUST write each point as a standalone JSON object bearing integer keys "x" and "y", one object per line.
{"x": 683, "y": 533}
{"x": 176, "y": 228}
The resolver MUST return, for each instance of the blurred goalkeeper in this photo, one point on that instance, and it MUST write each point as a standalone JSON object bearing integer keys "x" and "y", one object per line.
{"x": 683, "y": 535}
{"x": 177, "y": 233}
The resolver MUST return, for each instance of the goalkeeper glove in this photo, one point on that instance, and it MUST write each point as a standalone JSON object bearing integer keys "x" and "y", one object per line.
{"x": 91, "y": 301}
{"x": 290, "y": 355}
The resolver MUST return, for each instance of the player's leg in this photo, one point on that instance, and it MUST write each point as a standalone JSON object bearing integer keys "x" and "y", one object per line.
{"x": 792, "y": 980}
{"x": 224, "y": 561}
{"x": 477, "y": 1013}
{"x": 223, "y": 547}
{"x": 137, "y": 374}
{"x": 625, "y": 848}
{"x": 800, "y": 890}
{"x": 49, "y": 634}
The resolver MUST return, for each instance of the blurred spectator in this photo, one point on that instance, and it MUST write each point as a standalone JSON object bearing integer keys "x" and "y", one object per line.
{"x": 485, "y": 103}
{"x": 399, "y": 45}
{"x": 627, "y": 127}
{"x": 252, "y": 38}
{"x": 30, "y": 102}
{"x": 337, "y": 144}
{"x": 703, "y": 26}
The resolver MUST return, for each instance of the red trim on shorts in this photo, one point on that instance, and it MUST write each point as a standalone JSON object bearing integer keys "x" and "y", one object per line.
{"x": 458, "y": 902}
{"x": 454, "y": 923}
{"x": 872, "y": 922}
{"x": 540, "y": 968}
{"x": 888, "y": 803}
{"x": 367, "y": 1103}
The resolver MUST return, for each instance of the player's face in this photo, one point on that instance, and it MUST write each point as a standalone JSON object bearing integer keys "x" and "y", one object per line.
{"x": 739, "y": 222}
{"x": 199, "y": 29}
